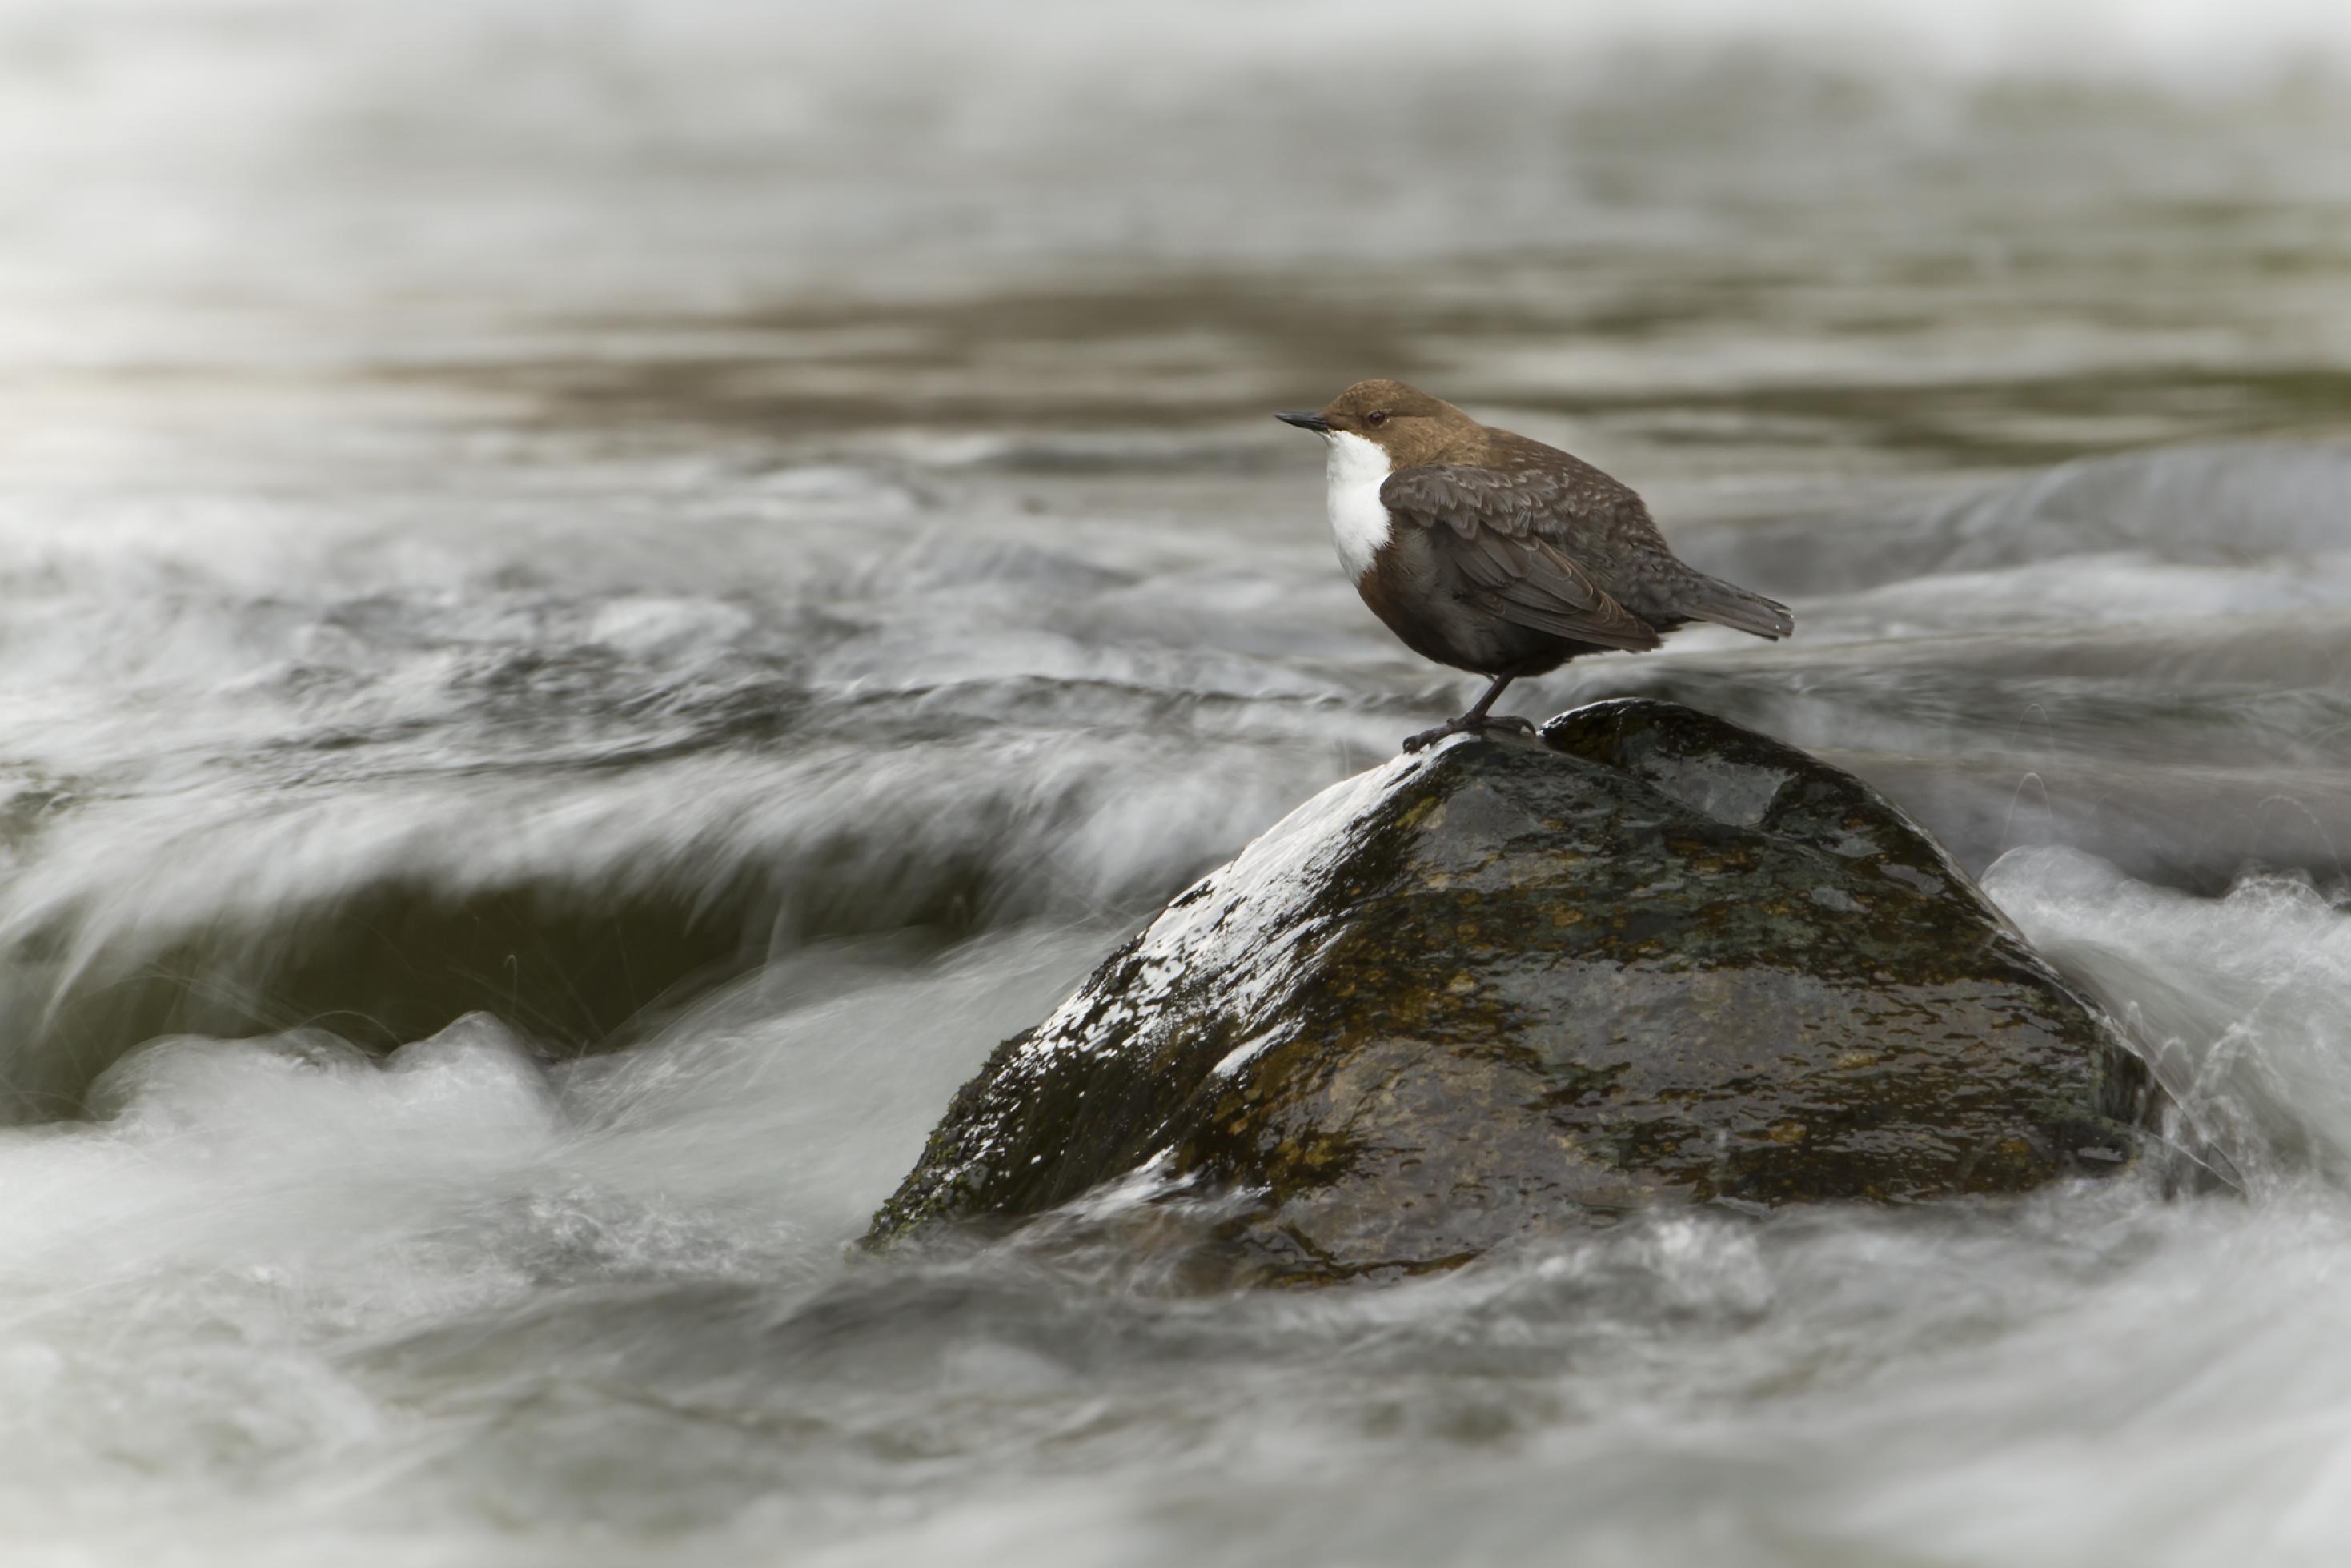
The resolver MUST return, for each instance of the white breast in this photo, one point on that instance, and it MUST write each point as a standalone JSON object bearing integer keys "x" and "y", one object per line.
{"x": 1359, "y": 521}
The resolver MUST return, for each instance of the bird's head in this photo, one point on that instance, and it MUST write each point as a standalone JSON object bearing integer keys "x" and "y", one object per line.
{"x": 1406, "y": 423}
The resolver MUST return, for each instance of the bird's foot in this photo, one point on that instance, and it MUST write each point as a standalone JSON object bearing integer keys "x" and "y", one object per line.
{"x": 1470, "y": 725}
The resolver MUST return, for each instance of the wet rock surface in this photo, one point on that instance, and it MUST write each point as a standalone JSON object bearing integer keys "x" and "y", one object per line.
{"x": 1506, "y": 988}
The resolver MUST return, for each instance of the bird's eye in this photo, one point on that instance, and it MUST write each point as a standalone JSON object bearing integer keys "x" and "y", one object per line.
{"x": 1377, "y": 417}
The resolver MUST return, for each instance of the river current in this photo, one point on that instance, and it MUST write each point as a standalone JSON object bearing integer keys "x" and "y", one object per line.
{"x": 600, "y": 597}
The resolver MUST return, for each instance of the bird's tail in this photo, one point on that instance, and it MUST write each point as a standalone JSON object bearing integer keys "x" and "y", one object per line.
{"x": 1705, "y": 598}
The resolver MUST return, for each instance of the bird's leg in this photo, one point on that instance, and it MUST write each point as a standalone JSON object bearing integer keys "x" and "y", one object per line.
{"x": 1478, "y": 718}
{"x": 1473, "y": 721}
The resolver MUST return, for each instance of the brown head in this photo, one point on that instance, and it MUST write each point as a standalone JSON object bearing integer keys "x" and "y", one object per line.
{"x": 1410, "y": 424}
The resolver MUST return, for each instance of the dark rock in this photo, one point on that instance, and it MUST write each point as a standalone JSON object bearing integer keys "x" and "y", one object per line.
{"x": 1499, "y": 990}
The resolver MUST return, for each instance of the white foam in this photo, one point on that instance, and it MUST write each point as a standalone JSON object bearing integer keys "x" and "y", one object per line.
{"x": 2242, "y": 997}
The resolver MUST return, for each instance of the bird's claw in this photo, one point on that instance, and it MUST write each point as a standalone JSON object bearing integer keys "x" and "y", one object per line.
{"x": 1466, "y": 725}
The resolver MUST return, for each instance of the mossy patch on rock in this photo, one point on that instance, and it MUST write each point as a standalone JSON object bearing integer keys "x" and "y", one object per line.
{"x": 1501, "y": 988}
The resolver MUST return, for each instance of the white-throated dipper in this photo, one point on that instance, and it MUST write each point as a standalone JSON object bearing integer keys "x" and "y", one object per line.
{"x": 1493, "y": 553}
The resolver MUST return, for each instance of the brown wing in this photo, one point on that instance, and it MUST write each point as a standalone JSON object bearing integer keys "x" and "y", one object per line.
{"x": 1484, "y": 521}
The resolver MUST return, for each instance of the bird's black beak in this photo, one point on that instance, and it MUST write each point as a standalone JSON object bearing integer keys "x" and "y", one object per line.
{"x": 1306, "y": 419}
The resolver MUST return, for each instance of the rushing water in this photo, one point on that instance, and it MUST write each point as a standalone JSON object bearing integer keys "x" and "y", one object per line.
{"x": 600, "y": 597}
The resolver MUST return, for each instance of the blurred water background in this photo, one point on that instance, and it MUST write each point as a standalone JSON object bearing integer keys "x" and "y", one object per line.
{"x": 600, "y": 595}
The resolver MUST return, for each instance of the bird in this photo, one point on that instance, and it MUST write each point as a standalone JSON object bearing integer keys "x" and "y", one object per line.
{"x": 1493, "y": 553}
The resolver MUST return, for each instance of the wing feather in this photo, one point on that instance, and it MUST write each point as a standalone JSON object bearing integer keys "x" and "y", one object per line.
{"x": 1485, "y": 522}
